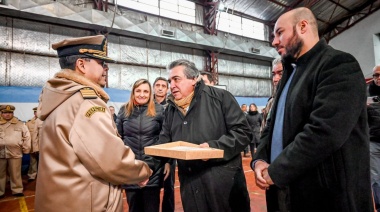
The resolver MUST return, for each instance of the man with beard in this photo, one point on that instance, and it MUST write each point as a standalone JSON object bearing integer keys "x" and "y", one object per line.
{"x": 314, "y": 152}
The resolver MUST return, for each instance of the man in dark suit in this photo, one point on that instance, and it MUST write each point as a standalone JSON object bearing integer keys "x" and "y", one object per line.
{"x": 314, "y": 152}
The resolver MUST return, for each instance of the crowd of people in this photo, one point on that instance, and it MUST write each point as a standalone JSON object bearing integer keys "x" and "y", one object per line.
{"x": 314, "y": 147}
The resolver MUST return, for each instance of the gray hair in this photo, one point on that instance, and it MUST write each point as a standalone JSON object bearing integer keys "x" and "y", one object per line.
{"x": 190, "y": 70}
{"x": 276, "y": 61}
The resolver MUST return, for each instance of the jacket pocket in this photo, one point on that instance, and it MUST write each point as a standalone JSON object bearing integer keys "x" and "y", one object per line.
{"x": 327, "y": 175}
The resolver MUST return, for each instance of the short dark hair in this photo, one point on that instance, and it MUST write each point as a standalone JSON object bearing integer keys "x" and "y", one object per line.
{"x": 208, "y": 74}
{"x": 161, "y": 78}
{"x": 69, "y": 62}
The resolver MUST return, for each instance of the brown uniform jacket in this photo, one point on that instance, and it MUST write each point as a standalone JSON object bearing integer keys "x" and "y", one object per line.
{"x": 14, "y": 138}
{"x": 82, "y": 159}
{"x": 33, "y": 125}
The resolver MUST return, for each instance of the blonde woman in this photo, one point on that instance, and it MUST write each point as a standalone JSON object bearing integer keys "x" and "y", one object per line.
{"x": 139, "y": 123}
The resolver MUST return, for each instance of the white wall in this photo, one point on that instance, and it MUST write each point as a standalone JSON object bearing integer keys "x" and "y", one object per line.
{"x": 360, "y": 41}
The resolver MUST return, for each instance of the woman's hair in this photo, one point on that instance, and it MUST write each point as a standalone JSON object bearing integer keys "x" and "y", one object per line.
{"x": 253, "y": 105}
{"x": 131, "y": 103}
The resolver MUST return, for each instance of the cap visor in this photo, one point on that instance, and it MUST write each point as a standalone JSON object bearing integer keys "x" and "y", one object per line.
{"x": 107, "y": 59}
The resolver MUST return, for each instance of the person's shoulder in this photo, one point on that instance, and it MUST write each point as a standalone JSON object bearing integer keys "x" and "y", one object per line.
{"x": 217, "y": 93}
{"x": 91, "y": 105}
{"x": 338, "y": 56}
{"x": 88, "y": 93}
{"x": 159, "y": 107}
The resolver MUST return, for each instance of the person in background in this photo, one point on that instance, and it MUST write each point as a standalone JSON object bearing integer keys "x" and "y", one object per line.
{"x": 207, "y": 78}
{"x": 83, "y": 161}
{"x": 254, "y": 119}
{"x": 373, "y": 112}
{"x": 314, "y": 152}
{"x": 112, "y": 110}
{"x": 209, "y": 117}
{"x": 33, "y": 126}
{"x": 243, "y": 108}
{"x": 139, "y": 123}
{"x": 15, "y": 141}
{"x": 276, "y": 77}
{"x": 160, "y": 87}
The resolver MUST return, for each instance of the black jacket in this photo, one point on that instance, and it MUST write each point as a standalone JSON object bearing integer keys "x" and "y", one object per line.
{"x": 214, "y": 117}
{"x": 255, "y": 119}
{"x": 138, "y": 131}
{"x": 325, "y": 161}
{"x": 374, "y": 114}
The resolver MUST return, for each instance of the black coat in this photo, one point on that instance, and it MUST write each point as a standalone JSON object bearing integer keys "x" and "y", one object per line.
{"x": 374, "y": 114}
{"x": 255, "y": 120}
{"x": 214, "y": 117}
{"x": 325, "y": 161}
{"x": 138, "y": 131}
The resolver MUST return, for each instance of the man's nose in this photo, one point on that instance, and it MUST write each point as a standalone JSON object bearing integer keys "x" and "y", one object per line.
{"x": 275, "y": 41}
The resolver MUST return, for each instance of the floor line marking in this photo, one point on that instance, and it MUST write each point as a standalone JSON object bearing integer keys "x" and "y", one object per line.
{"x": 23, "y": 207}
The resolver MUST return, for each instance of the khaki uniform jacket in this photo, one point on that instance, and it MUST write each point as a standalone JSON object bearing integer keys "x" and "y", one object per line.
{"x": 14, "y": 138}
{"x": 33, "y": 125}
{"x": 82, "y": 159}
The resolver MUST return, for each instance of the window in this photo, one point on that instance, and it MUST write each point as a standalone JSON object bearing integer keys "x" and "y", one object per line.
{"x": 148, "y": 6}
{"x": 178, "y": 9}
{"x": 181, "y": 10}
{"x": 240, "y": 26}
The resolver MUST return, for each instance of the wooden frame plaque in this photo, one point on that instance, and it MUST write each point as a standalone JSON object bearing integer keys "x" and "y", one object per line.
{"x": 183, "y": 150}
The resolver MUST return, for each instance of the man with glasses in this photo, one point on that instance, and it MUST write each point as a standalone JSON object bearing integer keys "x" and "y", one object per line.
{"x": 373, "y": 112}
{"x": 83, "y": 161}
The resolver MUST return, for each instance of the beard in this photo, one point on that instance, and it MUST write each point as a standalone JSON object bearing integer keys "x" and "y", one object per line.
{"x": 293, "y": 49}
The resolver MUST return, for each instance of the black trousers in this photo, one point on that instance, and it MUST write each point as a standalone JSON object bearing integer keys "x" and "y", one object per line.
{"x": 143, "y": 200}
{"x": 168, "y": 198}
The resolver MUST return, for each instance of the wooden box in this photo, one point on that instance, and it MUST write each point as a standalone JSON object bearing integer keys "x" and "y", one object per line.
{"x": 183, "y": 150}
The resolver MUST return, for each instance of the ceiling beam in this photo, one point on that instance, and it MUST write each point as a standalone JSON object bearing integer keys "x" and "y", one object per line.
{"x": 335, "y": 27}
{"x": 340, "y": 5}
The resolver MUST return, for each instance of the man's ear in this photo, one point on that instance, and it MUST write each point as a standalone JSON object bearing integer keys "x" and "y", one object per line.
{"x": 80, "y": 65}
{"x": 194, "y": 81}
{"x": 304, "y": 24}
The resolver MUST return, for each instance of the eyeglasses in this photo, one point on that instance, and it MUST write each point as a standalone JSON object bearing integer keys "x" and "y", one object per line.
{"x": 376, "y": 75}
{"x": 100, "y": 62}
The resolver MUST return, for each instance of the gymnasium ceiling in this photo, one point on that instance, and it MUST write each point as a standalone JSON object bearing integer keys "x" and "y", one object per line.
{"x": 333, "y": 16}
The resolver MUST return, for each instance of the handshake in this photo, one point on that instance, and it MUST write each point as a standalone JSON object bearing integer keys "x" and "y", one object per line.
{"x": 263, "y": 179}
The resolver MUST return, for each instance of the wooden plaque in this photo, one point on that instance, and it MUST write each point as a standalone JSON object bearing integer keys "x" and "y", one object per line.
{"x": 183, "y": 150}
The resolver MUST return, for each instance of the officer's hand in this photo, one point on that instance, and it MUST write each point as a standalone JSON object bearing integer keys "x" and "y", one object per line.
{"x": 143, "y": 183}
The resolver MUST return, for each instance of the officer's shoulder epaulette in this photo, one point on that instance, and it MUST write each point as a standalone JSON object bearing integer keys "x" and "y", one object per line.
{"x": 88, "y": 93}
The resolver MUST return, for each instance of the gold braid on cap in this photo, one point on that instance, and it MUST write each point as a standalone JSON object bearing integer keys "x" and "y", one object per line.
{"x": 92, "y": 51}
